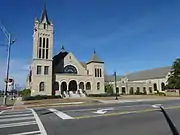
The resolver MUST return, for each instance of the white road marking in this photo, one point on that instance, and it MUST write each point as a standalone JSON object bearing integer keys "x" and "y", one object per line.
{"x": 103, "y": 111}
{"x": 20, "y": 115}
{"x": 60, "y": 114}
{"x": 115, "y": 108}
{"x": 16, "y": 119}
{"x": 16, "y": 112}
{"x": 1, "y": 112}
{"x": 40, "y": 125}
{"x": 26, "y": 133}
{"x": 18, "y": 124}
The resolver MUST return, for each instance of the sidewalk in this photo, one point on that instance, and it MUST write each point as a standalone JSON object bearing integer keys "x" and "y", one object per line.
{"x": 19, "y": 104}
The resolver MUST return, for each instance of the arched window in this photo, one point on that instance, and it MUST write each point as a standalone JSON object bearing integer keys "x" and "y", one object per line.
{"x": 70, "y": 69}
{"x": 98, "y": 85}
{"x": 155, "y": 87}
{"x": 88, "y": 86}
{"x": 41, "y": 86}
{"x": 162, "y": 86}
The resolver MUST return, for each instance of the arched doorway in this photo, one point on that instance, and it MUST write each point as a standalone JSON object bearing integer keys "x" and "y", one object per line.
{"x": 56, "y": 86}
{"x": 72, "y": 86}
{"x": 155, "y": 87}
{"x": 81, "y": 85}
{"x": 63, "y": 87}
{"x": 162, "y": 86}
{"x": 88, "y": 86}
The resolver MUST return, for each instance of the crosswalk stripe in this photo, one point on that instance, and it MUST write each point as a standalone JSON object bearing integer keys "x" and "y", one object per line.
{"x": 60, "y": 114}
{"x": 26, "y": 133}
{"x": 16, "y": 119}
{"x": 14, "y": 112}
{"x": 40, "y": 125}
{"x": 20, "y": 115}
{"x": 18, "y": 124}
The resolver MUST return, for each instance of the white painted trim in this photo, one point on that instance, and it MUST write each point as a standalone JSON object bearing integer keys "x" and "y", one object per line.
{"x": 40, "y": 125}
{"x": 60, "y": 114}
{"x": 18, "y": 124}
{"x": 26, "y": 133}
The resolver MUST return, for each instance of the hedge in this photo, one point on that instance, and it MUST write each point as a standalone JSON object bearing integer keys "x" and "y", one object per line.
{"x": 40, "y": 97}
{"x": 103, "y": 95}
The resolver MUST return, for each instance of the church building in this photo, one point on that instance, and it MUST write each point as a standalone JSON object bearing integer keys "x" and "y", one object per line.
{"x": 62, "y": 73}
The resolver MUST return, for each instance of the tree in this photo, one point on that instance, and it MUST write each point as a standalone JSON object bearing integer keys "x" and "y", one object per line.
{"x": 109, "y": 89}
{"x": 25, "y": 92}
{"x": 174, "y": 77}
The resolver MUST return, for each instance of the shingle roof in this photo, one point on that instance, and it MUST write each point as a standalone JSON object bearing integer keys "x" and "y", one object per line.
{"x": 110, "y": 78}
{"x": 143, "y": 75}
{"x": 149, "y": 74}
{"x": 95, "y": 58}
{"x": 83, "y": 64}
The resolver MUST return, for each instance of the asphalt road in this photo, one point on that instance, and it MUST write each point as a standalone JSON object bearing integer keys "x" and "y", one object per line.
{"x": 115, "y": 119}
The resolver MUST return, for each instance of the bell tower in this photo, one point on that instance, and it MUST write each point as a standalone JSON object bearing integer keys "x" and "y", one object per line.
{"x": 41, "y": 67}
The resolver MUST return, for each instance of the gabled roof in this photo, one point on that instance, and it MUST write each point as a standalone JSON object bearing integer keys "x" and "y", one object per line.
{"x": 83, "y": 64}
{"x": 59, "y": 57}
{"x": 95, "y": 58}
{"x": 149, "y": 74}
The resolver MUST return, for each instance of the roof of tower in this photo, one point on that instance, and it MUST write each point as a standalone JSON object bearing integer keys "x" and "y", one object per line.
{"x": 44, "y": 15}
{"x": 95, "y": 58}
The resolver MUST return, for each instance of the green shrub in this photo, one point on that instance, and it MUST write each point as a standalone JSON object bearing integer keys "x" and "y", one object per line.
{"x": 131, "y": 91}
{"x": 40, "y": 97}
{"x": 103, "y": 95}
{"x": 25, "y": 92}
{"x": 144, "y": 92}
{"x": 109, "y": 89}
{"x": 138, "y": 92}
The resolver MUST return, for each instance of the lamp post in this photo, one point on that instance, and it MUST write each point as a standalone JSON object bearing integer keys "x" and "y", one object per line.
{"x": 115, "y": 85}
{"x": 10, "y": 42}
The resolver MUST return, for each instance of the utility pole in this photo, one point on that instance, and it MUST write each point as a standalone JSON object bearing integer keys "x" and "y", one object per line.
{"x": 115, "y": 85}
{"x": 10, "y": 42}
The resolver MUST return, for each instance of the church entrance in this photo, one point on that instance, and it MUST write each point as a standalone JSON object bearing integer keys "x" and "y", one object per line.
{"x": 63, "y": 87}
{"x": 72, "y": 86}
{"x": 81, "y": 85}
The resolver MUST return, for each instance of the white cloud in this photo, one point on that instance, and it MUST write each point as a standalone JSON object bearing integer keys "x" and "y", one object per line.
{"x": 18, "y": 71}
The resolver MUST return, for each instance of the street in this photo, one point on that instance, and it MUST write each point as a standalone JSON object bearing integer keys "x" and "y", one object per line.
{"x": 137, "y": 118}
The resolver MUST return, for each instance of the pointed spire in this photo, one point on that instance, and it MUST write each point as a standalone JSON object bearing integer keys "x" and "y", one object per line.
{"x": 95, "y": 58}
{"x": 94, "y": 51}
{"x": 62, "y": 48}
{"x": 44, "y": 16}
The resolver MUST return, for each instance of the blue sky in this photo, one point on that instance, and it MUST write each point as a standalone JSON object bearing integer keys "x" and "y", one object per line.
{"x": 128, "y": 35}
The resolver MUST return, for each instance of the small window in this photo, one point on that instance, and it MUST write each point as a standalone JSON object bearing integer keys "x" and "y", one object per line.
{"x": 40, "y": 42}
{"x": 44, "y": 26}
{"x": 47, "y": 42}
{"x": 100, "y": 72}
{"x": 98, "y": 85}
{"x": 44, "y": 42}
{"x": 46, "y": 70}
{"x": 88, "y": 72}
{"x": 39, "y": 54}
{"x": 38, "y": 70}
{"x": 43, "y": 53}
{"x": 46, "y": 53}
{"x": 95, "y": 72}
{"x": 41, "y": 86}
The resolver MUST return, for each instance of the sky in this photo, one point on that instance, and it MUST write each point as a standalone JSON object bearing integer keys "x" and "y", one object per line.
{"x": 128, "y": 35}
